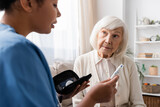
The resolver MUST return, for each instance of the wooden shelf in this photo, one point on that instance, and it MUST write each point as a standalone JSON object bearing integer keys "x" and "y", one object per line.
{"x": 147, "y": 59}
{"x": 147, "y": 26}
{"x": 151, "y": 94}
{"x": 147, "y": 42}
{"x": 152, "y": 76}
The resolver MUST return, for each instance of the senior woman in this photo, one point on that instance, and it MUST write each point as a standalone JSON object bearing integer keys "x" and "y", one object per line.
{"x": 109, "y": 39}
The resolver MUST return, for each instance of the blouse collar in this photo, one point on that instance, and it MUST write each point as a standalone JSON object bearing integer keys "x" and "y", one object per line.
{"x": 114, "y": 60}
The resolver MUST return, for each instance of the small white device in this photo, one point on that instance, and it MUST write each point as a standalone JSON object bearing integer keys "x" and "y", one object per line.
{"x": 117, "y": 71}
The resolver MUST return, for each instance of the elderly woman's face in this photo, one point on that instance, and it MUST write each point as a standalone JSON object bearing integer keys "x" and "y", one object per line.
{"x": 109, "y": 41}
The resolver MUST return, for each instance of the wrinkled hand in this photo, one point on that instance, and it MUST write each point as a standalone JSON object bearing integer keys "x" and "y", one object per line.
{"x": 77, "y": 90}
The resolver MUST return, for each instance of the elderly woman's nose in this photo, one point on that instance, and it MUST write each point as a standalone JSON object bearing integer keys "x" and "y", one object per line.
{"x": 108, "y": 39}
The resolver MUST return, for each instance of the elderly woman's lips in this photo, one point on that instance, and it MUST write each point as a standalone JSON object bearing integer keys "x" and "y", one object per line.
{"x": 107, "y": 48}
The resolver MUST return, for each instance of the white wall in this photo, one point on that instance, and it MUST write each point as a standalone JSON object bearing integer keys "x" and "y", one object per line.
{"x": 149, "y": 8}
{"x": 130, "y": 19}
{"x": 107, "y": 7}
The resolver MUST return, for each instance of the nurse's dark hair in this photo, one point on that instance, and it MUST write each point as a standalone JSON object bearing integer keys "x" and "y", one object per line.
{"x": 6, "y": 4}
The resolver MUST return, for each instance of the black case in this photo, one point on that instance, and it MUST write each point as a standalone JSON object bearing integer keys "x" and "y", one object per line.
{"x": 67, "y": 81}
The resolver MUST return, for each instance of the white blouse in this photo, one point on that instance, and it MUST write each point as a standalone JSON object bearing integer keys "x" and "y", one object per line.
{"x": 104, "y": 70}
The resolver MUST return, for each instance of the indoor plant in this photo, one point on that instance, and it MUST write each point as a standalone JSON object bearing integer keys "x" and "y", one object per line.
{"x": 153, "y": 70}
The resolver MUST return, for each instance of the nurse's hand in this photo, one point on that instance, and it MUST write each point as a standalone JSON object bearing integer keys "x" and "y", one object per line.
{"x": 104, "y": 91}
{"x": 101, "y": 92}
{"x": 77, "y": 90}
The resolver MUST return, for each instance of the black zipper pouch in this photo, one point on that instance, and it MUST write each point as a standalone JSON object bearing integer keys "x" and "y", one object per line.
{"x": 66, "y": 81}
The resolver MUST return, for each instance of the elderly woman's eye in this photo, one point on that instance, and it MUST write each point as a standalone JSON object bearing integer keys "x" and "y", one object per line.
{"x": 104, "y": 32}
{"x": 115, "y": 36}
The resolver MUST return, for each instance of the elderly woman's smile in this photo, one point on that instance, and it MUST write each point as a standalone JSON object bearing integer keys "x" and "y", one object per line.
{"x": 109, "y": 41}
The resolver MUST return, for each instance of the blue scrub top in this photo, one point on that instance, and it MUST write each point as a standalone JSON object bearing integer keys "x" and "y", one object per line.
{"x": 25, "y": 78}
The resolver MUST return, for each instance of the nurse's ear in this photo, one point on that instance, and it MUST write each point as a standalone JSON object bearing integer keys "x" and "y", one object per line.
{"x": 27, "y": 5}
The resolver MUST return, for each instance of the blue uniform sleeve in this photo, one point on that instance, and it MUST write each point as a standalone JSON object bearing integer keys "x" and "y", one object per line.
{"x": 25, "y": 78}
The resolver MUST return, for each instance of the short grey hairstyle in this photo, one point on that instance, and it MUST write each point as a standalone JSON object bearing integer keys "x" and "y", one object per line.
{"x": 110, "y": 23}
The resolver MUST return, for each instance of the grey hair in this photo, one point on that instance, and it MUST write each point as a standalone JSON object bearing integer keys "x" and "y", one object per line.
{"x": 110, "y": 23}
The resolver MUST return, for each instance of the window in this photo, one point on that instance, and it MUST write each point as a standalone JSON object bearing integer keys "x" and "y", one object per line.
{"x": 62, "y": 43}
{"x": 1, "y": 14}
